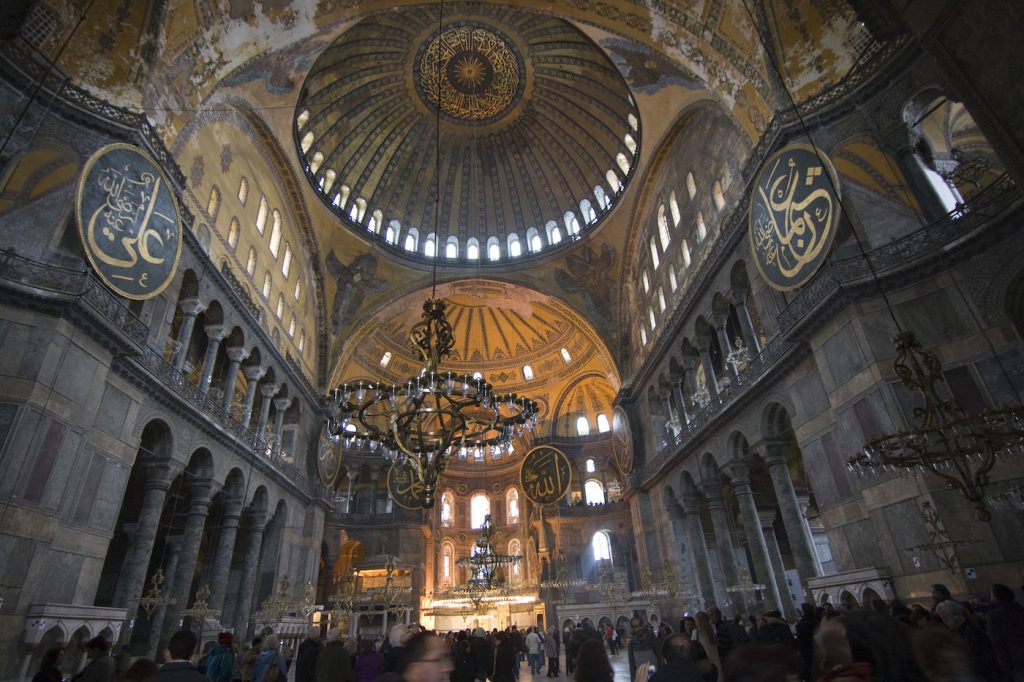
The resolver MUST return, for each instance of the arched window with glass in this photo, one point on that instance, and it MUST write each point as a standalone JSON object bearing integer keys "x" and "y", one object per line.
{"x": 582, "y": 426}
{"x": 451, "y": 248}
{"x": 515, "y": 249}
{"x": 412, "y": 237}
{"x": 243, "y": 191}
{"x": 533, "y": 241}
{"x": 590, "y": 466}
{"x": 261, "y": 214}
{"x": 447, "y": 565}
{"x": 663, "y": 233}
{"x": 493, "y": 249}
{"x": 472, "y": 249}
{"x": 479, "y": 509}
{"x": 275, "y": 234}
{"x": 512, "y": 506}
{"x": 602, "y": 423}
{"x": 391, "y": 234}
{"x": 447, "y": 509}
{"x": 601, "y": 546}
{"x": 213, "y": 206}
{"x": 233, "y": 231}
{"x": 593, "y": 491}
{"x": 572, "y": 224}
{"x": 515, "y": 548}
{"x": 430, "y": 246}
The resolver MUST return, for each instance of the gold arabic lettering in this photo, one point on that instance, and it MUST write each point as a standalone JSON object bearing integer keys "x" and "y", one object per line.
{"x": 119, "y": 216}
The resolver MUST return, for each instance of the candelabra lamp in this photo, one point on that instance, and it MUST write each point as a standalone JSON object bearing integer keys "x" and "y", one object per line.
{"x": 484, "y": 560}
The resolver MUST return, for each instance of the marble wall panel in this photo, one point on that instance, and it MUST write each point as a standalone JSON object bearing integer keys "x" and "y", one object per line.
{"x": 934, "y": 318}
{"x": 112, "y": 411}
{"x": 75, "y": 377}
{"x": 840, "y": 358}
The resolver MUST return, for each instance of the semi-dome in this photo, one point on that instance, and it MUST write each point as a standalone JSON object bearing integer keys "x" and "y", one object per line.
{"x": 536, "y": 130}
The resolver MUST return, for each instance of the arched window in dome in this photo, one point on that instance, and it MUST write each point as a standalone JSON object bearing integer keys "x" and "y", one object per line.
{"x": 512, "y": 506}
{"x": 590, "y": 466}
{"x": 298, "y": 287}
{"x": 572, "y": 225}
{"x": 646, "y": 282}
{"x": 261, "y": 214}
{"x": 716, "y": 193}
{"x": 672, "y": 279}
{"x": 314, "y": 164}
{"x": 643, "y": 337}
{"x": 286, "y": 262}
{"x": 412, "y": 238}
{"x": 601, "y": 197}
{"x": 478, "y": 375}
{"x": 702, "y": 230}
{"x": 633, "y": 122}
{"x": 613, "y": 181}
{"x": 391, "y": 234}
{"x": 528, "y": 372}
{"x": 654, "y": 320}
{"x": 515, "y": 548}
{"x": 385, "y": 359}
{"x": 661, "y": 299}
{"x": 479, "y": 507}
{"x": 376, "y": 221}
{"x": 566, "y": 358}
{"x": 582, "y": 426}
{"x": 447, "y": 509}
{"x": 655, "y": 261}
{"x": 593, "y": 491}
{"x": 360, "y": 210}
{"x": 493, "y": 249}
{"x": 622, "y": 162}
{"x": 674, "y": 207}
{"x": 233, "y": 231}
{"x": 472, "y": 249}
{"x": 663, "y": 234}
{"x": 302, "y": 340}
{"x": 291, "y": 327}
{"x": 447, "y": 565}
{"x": 686, "y": 254}
{"x": 328, "y": 180}
{"x": 601, "y": 546}
{"x": 250, "y": 263}
{"x": 267, "y": 281}
{"x": 602, "y": 423}
{"x": 514, "y": 248}
{"x": 341, "y": 198}
{"x": 275, "y": 234}
{"x": 691, "y": 185}
{"x": 451, "y": 248}
{"x": 554, "y": 234}
{"x": 430, "y": 246}
{"x": 533, "y": 242}
{"x": 307, "y": 141}
{"x": 588, "y": 212}
{"x": 630, "y": 143}
{"x": 243, "y": 190}
{"x": 279, "y": 310}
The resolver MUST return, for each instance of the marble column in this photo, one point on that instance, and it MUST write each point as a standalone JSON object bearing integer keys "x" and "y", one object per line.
{"x": 767, "y": 517}
{"x": 281, "y": 404}
{"x": 255, "y": 522}
{"x": 739, "y": 475}
{"x": 669, "y": 414}
{"x": 133, "y": 577}
{"x": 235, "y": 356}
{"x": 699, "y": 549}
{"x": 215, "y": 333}
{"x": 904, "y": 152}
{"x": 723, "y": 539}
{"x": 690, "y": 378}
{"x": 252, "y": 374}
{"x": 722, "y": 332}
{"x": 200, "y": 493}
{"x": 677, "y": 392}
{"x": 190, "y": 309}
{"x": 374, "y": 476}
{"x": 750, "y": 336}
{"x": 172, "y": 549}
{"x": 351, "y": 476}
{"x": 225, "y": 551}
{"x": 804, "y": 556}
{"x": 704, "y": 346}
{"x": 267, "y": 393}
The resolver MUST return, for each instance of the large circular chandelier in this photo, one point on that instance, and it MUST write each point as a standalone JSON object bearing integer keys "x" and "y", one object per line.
{"x": 485, "y": 560}
{"x": 433, "y": 415}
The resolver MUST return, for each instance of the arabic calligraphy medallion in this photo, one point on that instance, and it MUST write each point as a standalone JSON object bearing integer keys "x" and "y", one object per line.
{"x": 622, "y": 442}
{"x": 328, "y": 458}
{"x": 545, "y": 475}
{"x": 129, "y": 221}
{"x": 404, "y": 486}
{"x": 794, "y": 216}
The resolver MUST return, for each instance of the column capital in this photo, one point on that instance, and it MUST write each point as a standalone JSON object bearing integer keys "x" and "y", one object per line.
{"x": 713, "y": 494}
{"x": 237, "y": 353}
{"x": 718, "y": 319}
{"x": 159, "y": 475}
{"x": 689, "y": 362}
{"x": 253, "y": 372}
{"x": 283, "y": 403}
{"x": 738, "y": 295}
{"x": 352, "y": 474}
{"x": 690, "y": 503}
{"x": 217, "y": 332}
{"x": 191, "y": 306}
{"x": 232, "y": 505}
{"x": 268, "y": 390}
{"x": 202, "y": 490}
{"x": 767, "y": 517}
{"x": 702, "y": 342}
{"x": 739, "y": 475}
{"x": 256, "y": 519}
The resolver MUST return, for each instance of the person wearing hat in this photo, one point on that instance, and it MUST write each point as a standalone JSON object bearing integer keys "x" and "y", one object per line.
{"x": 775, "y": 631}
{"x": 305, "y": 660}
{"x": 483, "y": 654}
{"x": 101, "y": 665}
{"x": 220, "y": 662}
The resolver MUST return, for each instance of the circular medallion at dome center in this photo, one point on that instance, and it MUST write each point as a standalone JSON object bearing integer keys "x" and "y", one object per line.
{"x": 477, "y": 72}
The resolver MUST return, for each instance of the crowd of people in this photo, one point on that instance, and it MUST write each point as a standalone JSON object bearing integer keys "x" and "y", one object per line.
{"x": 950, "y": 642}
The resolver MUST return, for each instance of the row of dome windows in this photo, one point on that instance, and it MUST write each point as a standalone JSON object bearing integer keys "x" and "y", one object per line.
{"x": 528, "y": 374}
{"x": 356, "y": 209}
{"x": 659, "y": 245}
{"x": 274, "y": 246}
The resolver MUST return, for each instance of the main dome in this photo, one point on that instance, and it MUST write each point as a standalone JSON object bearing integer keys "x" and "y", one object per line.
{"x": 536, "y": 130}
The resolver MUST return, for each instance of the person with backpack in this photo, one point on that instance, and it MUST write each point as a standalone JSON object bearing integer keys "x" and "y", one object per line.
{"x": 270, "y": 665}
{"x": 220, "y": 662}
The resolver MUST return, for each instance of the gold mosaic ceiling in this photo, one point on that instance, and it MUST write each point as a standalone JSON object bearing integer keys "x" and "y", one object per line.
{"x": 499, "y": 329}
{"x": 535, "y": 122}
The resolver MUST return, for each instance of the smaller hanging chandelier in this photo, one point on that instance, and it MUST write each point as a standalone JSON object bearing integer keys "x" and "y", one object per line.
{"x": 433, "y": 415}
{"x": 484, "y": 561}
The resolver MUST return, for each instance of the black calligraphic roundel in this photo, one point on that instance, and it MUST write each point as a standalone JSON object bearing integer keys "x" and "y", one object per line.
{"x": 622, "y": 441}
{"x": 328, "y": 458}
{"x": 404, "y": 486}
{"x": 129, "y": 221}
{"x": 794, "y": 215}
{"x": 545, "y": 475}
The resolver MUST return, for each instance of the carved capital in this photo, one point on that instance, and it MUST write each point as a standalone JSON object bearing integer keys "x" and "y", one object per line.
{"x": 268, "y": 390}
{"x": 191, "y": 306}
{"x": 217, "y": 332}
{"x": 237, "y": 353}
{"x": 253, "y": 372}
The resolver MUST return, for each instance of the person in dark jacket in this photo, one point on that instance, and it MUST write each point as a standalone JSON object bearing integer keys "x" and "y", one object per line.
{"x": 678, "y": 665}
{"x": 1005, "y": 627}
{"x": 483, "y": 654}
{"x": 305, "y": 660}
{"x": 729, "y": 634}
{"x": 465, "y": 665}
{"x": 805, "y": 629}
{"x": 505, "y": 658}
{"x": 178, "y": 667}
{"x": 775, "y": 631}
{"x": 48, "y": 666}
{"x": 334, "y": 664}
{"x": 220, "y": 662}
{"x": 101, "y": 665}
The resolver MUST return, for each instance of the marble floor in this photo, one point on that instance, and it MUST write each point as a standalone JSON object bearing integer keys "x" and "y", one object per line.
{"x": 620, "y": 666}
